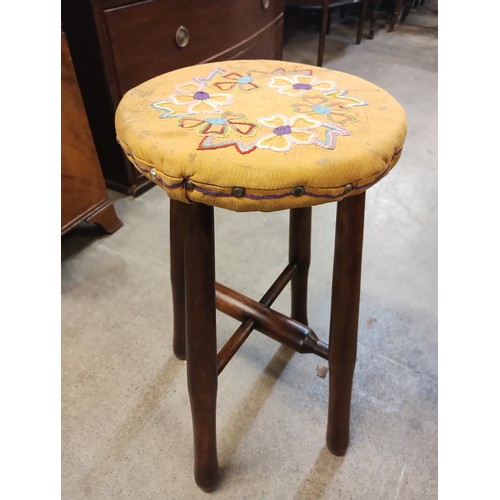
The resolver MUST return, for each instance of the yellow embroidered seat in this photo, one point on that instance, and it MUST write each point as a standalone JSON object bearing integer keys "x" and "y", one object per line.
{"x": 260, "y": 135}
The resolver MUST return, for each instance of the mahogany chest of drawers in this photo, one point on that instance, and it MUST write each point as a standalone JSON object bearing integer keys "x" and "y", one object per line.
{"x": 117, "y": 44}
{"x": 84, "y": 196}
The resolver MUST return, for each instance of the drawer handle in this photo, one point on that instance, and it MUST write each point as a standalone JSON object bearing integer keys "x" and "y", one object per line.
{"x": 182, "y": 36}
{"x": 265, "y": 3}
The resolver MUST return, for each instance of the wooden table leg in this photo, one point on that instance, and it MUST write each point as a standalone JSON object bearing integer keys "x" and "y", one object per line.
{"x": 300, "y": 254}
{"x": 325, "y": 18}
{"x": 344, "y": 319}
{"x": 201, "y": 342}
{"x": 177, "y": 224}
{"x": 375, "y": 8}
{"x": 362, "y": 20}
{"x": 406, "y": 9}
{"x": 398, "y": 6}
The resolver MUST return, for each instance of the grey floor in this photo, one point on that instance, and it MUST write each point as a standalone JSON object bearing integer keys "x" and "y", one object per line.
{"x": 126, "y": 429}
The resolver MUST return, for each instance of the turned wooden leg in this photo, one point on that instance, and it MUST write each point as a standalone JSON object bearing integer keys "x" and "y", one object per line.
{"x": 344, "y": 319}
{"x": 201, "y": 342}
{"x": 177, "y": 224}
{"x": 300, "y": 254}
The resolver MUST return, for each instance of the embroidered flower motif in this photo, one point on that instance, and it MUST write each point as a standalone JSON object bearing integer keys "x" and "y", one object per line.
{"x": 340, "y": 96}
{"x": 299, "y": 130}
{"x": 213, "y": 142}
{"x": 203, "y": 80}
{"x": 333, "y": 111}
{"x": 198, "y": 104}
{"x": 287, "y": 131}
{"x": 231, "y": 81}
{"x": 195, "y": 97}
{"x": 220, "y": 125}
{"x": 327, "y": 135}
{"x": 300, "y": 84}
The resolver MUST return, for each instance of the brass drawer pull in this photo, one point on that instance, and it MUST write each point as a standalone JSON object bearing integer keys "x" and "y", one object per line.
{"x": 265, "y": 3}
{"x": 182, "y": 36}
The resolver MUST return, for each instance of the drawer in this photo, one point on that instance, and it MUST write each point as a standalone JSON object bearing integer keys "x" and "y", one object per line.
{"x": 144, "y": 39}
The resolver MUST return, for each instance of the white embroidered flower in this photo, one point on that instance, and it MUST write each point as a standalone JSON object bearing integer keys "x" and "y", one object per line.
{"x": 288, "y": 131}
{"x": 300, "y": 84}
{"x": 196, "y": 99}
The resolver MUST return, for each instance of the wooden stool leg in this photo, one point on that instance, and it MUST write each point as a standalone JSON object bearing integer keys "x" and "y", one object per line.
{"x": 177, "y": 224}
{"x": 300, "y": 254}
{"x": 201, "y": 342}
{"x": 344, "y": 318}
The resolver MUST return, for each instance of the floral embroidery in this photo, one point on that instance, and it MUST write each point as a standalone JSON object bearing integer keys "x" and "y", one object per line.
{"x": 220, "y": 125}
{"x": 195, "y": 97}
{"x": 215, "y": 130}
{"x": 167, "y": 112}
{"x": 300, "y": 84}
{"x": 211, "y": 142}
{"x": 318, "y": 118}
{"x": 231, "y": 81}
{"x": 347, "y": 101}
{"x": 296, "y": 130}
{"x": 325, "y": 108}
{"x": 212, "y": 74}
{"x": 287, "y": 131}
{"x": 327, "y": 135}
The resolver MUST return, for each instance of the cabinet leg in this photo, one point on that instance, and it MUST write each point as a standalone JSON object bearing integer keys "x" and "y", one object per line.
{"x": 106, "y": 218}
{"x": 344, "y": 319}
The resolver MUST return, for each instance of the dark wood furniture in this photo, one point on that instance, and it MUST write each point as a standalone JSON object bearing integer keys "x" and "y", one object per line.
{"x": 401, "y": 9}
{"x": 84, "y": 195}
{"x": 398, "y": 10}
{"x": 326, "y": 7}
{"x": 117, "y": 44}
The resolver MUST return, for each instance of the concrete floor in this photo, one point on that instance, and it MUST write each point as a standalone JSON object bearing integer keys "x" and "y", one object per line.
{"x": 126, "y": 425}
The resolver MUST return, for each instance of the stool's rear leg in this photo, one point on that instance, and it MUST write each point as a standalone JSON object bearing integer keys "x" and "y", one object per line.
{"x": 300, "y": 254}
{"x": 201, "y": 342}
{"x": 177, "y": 224}
{"x": 344, "y": 318}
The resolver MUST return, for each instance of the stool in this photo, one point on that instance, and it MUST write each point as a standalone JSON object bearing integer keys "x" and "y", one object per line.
{"x": 261, "y": 135}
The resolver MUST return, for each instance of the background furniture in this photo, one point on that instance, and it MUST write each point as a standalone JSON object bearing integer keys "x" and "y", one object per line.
{"x": 83, "y": 190}
{"x": 402, "y": 7}
{"x": 116, "y": 44}
{"x": 326, "y": 7}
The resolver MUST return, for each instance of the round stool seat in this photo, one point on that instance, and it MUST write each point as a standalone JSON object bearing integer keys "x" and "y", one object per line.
{"x": 260, "y": 134}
